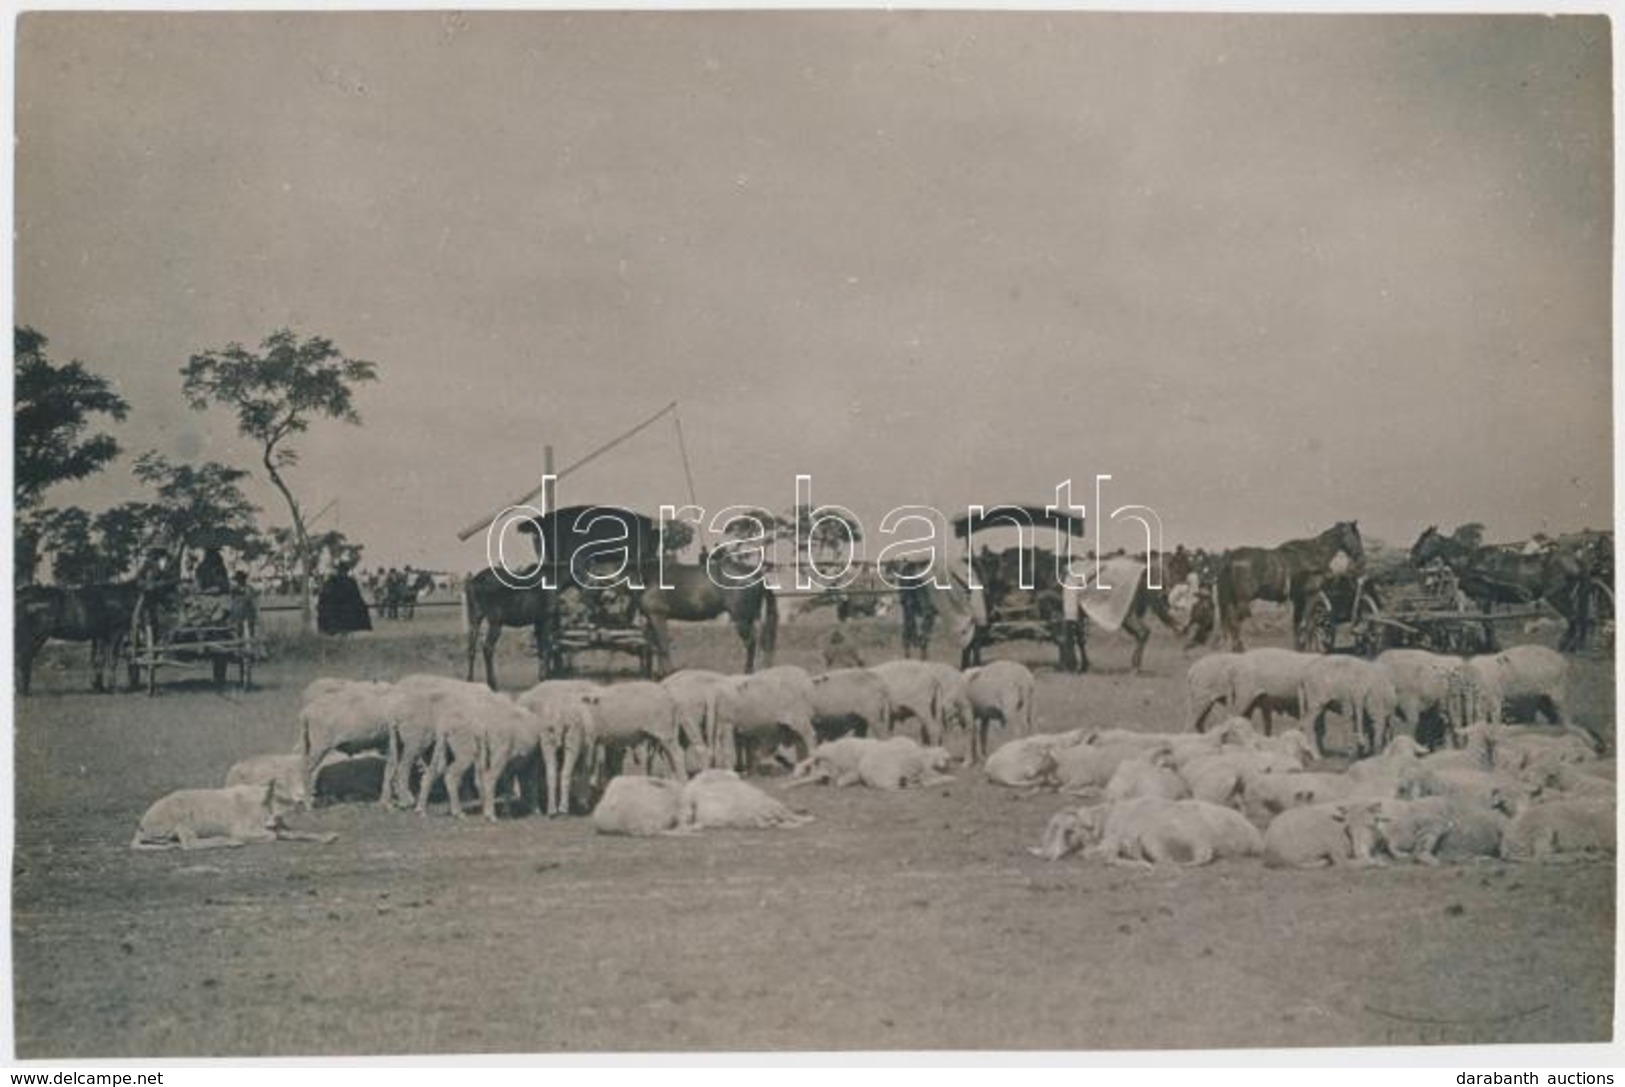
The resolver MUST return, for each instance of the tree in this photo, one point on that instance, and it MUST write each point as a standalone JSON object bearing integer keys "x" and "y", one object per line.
{"x": 53, "y": 407}
{"x": 198, "y": 505}
{"x": 86, "y": 549}
{"x": 276, "y": 395}
{"x": 825, "y": 537}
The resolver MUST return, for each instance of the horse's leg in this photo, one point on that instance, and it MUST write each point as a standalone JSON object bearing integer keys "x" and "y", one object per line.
{"x": 493, "y": 631}
{"x": 96, "y": 655}
{"x": 1141, "y": 633}
{"x": 746, "y": 629}
{"x": 473, "y": 645}
{"x": 660, "y": 636}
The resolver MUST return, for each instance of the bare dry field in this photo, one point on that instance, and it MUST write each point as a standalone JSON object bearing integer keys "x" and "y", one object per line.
{"x": 908, "y": 921}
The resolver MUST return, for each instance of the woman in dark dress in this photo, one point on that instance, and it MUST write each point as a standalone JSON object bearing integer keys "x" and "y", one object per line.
{"x": 339, "y": 606}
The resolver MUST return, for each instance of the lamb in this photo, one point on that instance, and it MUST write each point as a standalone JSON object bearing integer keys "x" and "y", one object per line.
{"x": 350, "y": 720}
{"x": 286, "y": 770}
{"x": 1322, "y": 834}
{"x": 1423, "y": 683}
{"x": 639, "y": 806}
{"x": 632, "y": 713}
{"x": 239, "y": 815}
{"x": 718, "y": 798}
{"x": 914, "y": 690}
{"x": 1269, "y": 680}
{"x": 764, "y": 708}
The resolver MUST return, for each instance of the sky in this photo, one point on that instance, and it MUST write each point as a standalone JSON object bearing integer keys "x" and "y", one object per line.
{"x": 1267, "y": 272}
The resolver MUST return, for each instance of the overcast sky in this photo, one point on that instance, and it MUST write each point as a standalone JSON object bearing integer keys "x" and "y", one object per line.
{"x": 1268, "y": 272}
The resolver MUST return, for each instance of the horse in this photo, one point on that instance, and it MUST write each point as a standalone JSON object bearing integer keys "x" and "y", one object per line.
{"x": 692, "y": 594}
{"x": 98, "y": 614}
{"x": 1288, "y": 574}
{"x": 491, "y": 603}
{"x": 1490, "y": 575}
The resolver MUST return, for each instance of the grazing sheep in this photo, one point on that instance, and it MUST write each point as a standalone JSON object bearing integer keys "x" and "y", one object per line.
{"x": 1437, "y": 828}
{"x": 850, "y": 700}
{"x": 762, "y": 710}
{"x": 695, "y": 691}
{"x": 638, "y": 806}
{"x": 480, "y": 731}
{"x": 1359, "y": 690}
{"x": 1150, "y": 830}
{"x": 914, "y": 690}
{"x": 1002, "y": 692}
{"x": 1210, "y": 682}
{"x": 1324, "y": 834}
{"x": 718, "y": 798}
{"x": 1423, "y": 683}
{"x": 1524, "y": 676}
{"x": 632, "y": 713}
{"x": 192, "y": 819}
{"x": 1269, "y": 681}
{"x": 564, "y": 731}
{"x": 350, "y": 720}
{"x": 1562, "y": 831}
{"x": 954, "y": 707}
{"x": 325, "y": 685}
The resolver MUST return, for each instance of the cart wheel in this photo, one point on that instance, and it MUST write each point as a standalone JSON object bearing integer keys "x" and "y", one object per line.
{"x": 1370, "y": 636}
{"x": 1319, "y": 634}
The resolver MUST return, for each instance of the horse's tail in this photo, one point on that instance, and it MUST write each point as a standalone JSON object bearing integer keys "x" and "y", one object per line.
{"x": 770, "y": 626}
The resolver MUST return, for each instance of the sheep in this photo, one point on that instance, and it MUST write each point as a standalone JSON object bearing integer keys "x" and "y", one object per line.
{"x": 481, "y": 731}
{"x": 899, "y": 763}
{"x": 1482, "y": 789}
{"x": 1423, "y": 683}
{"x": 1437, "y": 828}
{"x": 1266, "y": 796}
{"x": 1090, "y": 765}
{"x": 1512, "y": 748}
{"x": 1269, "y": 680}
{"x": 1547, "y": 781}
{"x": 1221, "y": 778}
{"x": 1151, "y": 830}
{"x": 1383, "y": 771}
{"x": 1361, "y": 691}
{"x": 914, "y": 689}
{"x": 1322, "y": 834}
{"x": 564, "y": 731}
{"x": 850, "y": 700}
{"x": 412, "y": 707}
{"x": 325, "y": 685}
{"x": 631, "y": 713}
{"x": 1525, "y": 674}
{"x": 1560, "y": 832}
{"x": 763, "y": 708}
{"x": 695, "y": 691}
{"x": 239, "y": 815}
{"x": 638, "y": 806}
{"x": 1146, "y": 775}
{"x": 953, "y": 699}
{"x": 831, "y": 761}
{"x": 718, "y": 798}
{"x": 1030, "y": 760}
{"x": 287, "y": 770}
{"x": 350, "y": 720}
{"x": 1001, "y": 691}
{"x": 1209, "y": 682}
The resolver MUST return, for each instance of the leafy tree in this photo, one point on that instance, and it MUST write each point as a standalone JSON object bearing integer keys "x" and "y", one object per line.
{"x": 276, "y": 394}
{"x": 825, "y": 538}
{"x": 53, "y": 406}
{"x": 198, "y": 505}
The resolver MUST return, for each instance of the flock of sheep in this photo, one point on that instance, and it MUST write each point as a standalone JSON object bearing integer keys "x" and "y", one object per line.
{"x": 667, "y": 757}
{"x": 1493, "y": 790}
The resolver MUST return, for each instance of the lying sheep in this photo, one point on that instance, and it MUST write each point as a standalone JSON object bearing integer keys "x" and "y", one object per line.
{"x": 1147, "y": 775}
{"x": 216, "y": 818}
{"x": 1210, "y": 682}
{"x": 718, "y": 798}
{"x": 1483, "y": 789}
{"x": 1324, "y": 834}
{"x": 1382, "y": 772}
{"x": 1359, "y": 690}
{"x": 1266, "y": 796}
{"x": 1525, "y": 675}
{"x": 1547, "y": 781}
{"x": 1002, "y": 692}
{"x": 1437, "y": 828}
{"x": 1150, "y": 831}
{"x": 1514, "y": 747}
{"x": 1030, "y": 761}
{"x": 288, "y": 771}
{"x": 831, "y": 761}
{"x": 1560, "y": 832}
{"x": 1221, "y": 778}
{"x": 900, "y": 763}
{"x": 638, "y": 806}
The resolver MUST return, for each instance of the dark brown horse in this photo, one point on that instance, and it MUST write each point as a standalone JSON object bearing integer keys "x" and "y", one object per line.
{"x": 696, "y": 594}
{"x": 98, "y": 614}
{"x": 1489, "y": 575}
{"x": 1289, "y": 574}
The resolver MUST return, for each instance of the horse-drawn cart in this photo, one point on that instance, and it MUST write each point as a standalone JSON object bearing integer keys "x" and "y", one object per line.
{"x": 1428, "y": 610}
{"x": 177, "y": 627}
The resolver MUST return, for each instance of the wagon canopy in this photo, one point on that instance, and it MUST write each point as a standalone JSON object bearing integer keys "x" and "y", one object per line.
{"x": 1007, "y": 516}
{"x": 604, "y": 531}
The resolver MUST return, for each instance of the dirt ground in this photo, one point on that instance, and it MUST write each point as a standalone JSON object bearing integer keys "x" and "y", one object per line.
{"x": 908, "y": 921}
